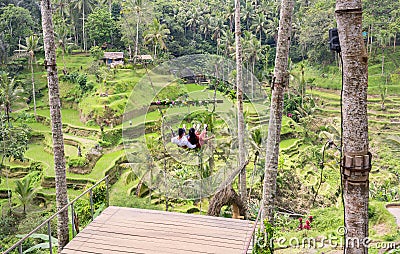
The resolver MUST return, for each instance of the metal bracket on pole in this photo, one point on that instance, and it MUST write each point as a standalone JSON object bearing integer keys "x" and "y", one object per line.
{"x": 357, "y": 166}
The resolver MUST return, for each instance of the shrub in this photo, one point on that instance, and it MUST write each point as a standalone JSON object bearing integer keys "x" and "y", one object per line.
{"x": 96, "y": 52}
{"x": 8, "y": 226}
{"x": 81, "y": 80}
{"x": 103, "y": 143}
{"x": 77, "y": 162}
{"x": 112, "y": 136}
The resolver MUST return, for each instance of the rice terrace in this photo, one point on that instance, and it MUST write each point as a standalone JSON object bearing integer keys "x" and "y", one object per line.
{"x": 138, "y": 126}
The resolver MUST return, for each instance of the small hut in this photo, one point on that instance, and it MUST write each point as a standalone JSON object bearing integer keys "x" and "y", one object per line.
{"x": 143, "y": 58}
{"x": 113, "y": 58}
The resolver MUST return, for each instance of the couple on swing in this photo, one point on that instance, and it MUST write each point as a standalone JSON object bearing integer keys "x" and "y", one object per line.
{"x": 195, "y": 138}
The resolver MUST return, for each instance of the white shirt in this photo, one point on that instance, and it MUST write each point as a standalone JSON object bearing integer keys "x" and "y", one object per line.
{"x": 182, "y": 142}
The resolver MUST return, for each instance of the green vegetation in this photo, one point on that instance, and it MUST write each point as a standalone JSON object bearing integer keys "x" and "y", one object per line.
{"x": 94, "y": 98}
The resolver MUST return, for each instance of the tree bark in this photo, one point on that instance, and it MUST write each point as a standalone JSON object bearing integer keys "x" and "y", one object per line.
{"x": 56, "y": 124}
{"x": 383, "y": 61}
{"x": 226, "y": 196}
{"x": 279, "y": 83}
{"x": 239, "y": 98}
{"x": 354, "y": 124}
{"x": 137, "y": 35}
{"x": 83, "y": 28}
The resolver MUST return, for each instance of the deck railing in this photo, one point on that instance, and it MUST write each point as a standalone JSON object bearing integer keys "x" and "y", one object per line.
{"x": 70, "y": 204}
{"x": 252, "y": 238}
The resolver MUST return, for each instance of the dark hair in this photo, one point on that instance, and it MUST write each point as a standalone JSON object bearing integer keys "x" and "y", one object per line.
{"x": 193, "y": 137}
{"x": 181, "y": 131}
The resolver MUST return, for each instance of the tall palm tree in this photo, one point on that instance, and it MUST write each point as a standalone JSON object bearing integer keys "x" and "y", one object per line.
{"x": 229, "y": 15}
{"x": 156, "y": 34}
{"x": 354, "y": 123}
{"x": 25, "y": 191}
{"x": 217, "y": 27}
{"x": 61, "y": 36}
{"x": 84, "y": 6}
{"x": 252, "y": 50}
{"x": 137, "y": 7}
{"x": 205, "y": 25}
{"x": 239, "y": 98}
{"x": 62, "y": 6}
{"x": 31, "y": 47}
{"x": 259, "y": 25}
{"x": 194, "y": 17}
{"x": 257, "y": 142}
{"x": 9, "y": 94}
{"x": 247, "y": 14}
{"x": 227, "y": 42}
{"x": 56, "y": 123}
{"x": 279, "y": 83}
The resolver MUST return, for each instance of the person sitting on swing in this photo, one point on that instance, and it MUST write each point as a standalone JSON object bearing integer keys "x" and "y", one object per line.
{"x": 198, "y": 139}
{"x": 181, "y": 140}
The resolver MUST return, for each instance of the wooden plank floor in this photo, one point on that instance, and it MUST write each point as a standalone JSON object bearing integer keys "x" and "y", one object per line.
{"x": 130, "y": 230}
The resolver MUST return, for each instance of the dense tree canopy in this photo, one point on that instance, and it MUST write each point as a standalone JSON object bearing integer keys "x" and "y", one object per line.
{"x": 195, "y": 27}
{"x": 101, "y": 27}
{"x": 11, "y": 20}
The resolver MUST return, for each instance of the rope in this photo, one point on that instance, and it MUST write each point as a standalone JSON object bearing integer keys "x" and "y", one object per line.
{"x": 252, "y": 174}
{"x": 341, "y": 147}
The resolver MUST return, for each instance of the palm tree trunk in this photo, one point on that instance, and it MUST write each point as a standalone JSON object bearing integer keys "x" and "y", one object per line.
{"x": 354, "y": 124}
{"x": 370, "y": 45}
{"x": 368, "y": 37}
{"x": 239, "y": 97}
{"x": 63, "y": 59}
{"x": 83, "y": 28}
{"x": 33, "y": 88}
{"x": 383, "y": 61}
{"x": 137, "y": 37}
{"x": 279, "y": 83}
{"x": 56, "y": 124}
{"x": 252, "y": 77}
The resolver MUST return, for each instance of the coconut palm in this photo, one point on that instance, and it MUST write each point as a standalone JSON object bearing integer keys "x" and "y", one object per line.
{"x": 252, "y": 50}
{"x": 217, "y": 27}
{"x": 274, "y": 128}
{"x": 137, "y": 7}
{"x": 156, "y": 35}
{"x": 62, "y": 6}
{"x": 354, "y": 123}
{"x": 84, "y": 6}
{"x": 227, "y": 42}
{"x": 247, "y": 14}
{"x": 229, "y": 15}
{"x": 9, "y": 94}
{"x": 56, "y": 123}
{"x": 62, "y": 42}
{"x": 25, "y": 191}
{"x": 205, "y": 26}
{"x": 239, "y": 98}
{"x": 259, "y": 25}
{"x": 256, "y": 141}
{"x": 32, "y": 46}
{"x": 194, "y": 17}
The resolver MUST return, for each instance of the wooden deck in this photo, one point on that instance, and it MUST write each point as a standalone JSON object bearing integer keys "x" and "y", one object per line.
{"x": 130, "y": 230}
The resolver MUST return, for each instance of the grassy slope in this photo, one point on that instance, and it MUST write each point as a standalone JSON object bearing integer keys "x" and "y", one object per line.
{"x": 382, "y": 224}
{"x": 331, "y": 101}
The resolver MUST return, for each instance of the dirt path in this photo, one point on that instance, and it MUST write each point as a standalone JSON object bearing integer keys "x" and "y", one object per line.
{"x": 395, "y": 210}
